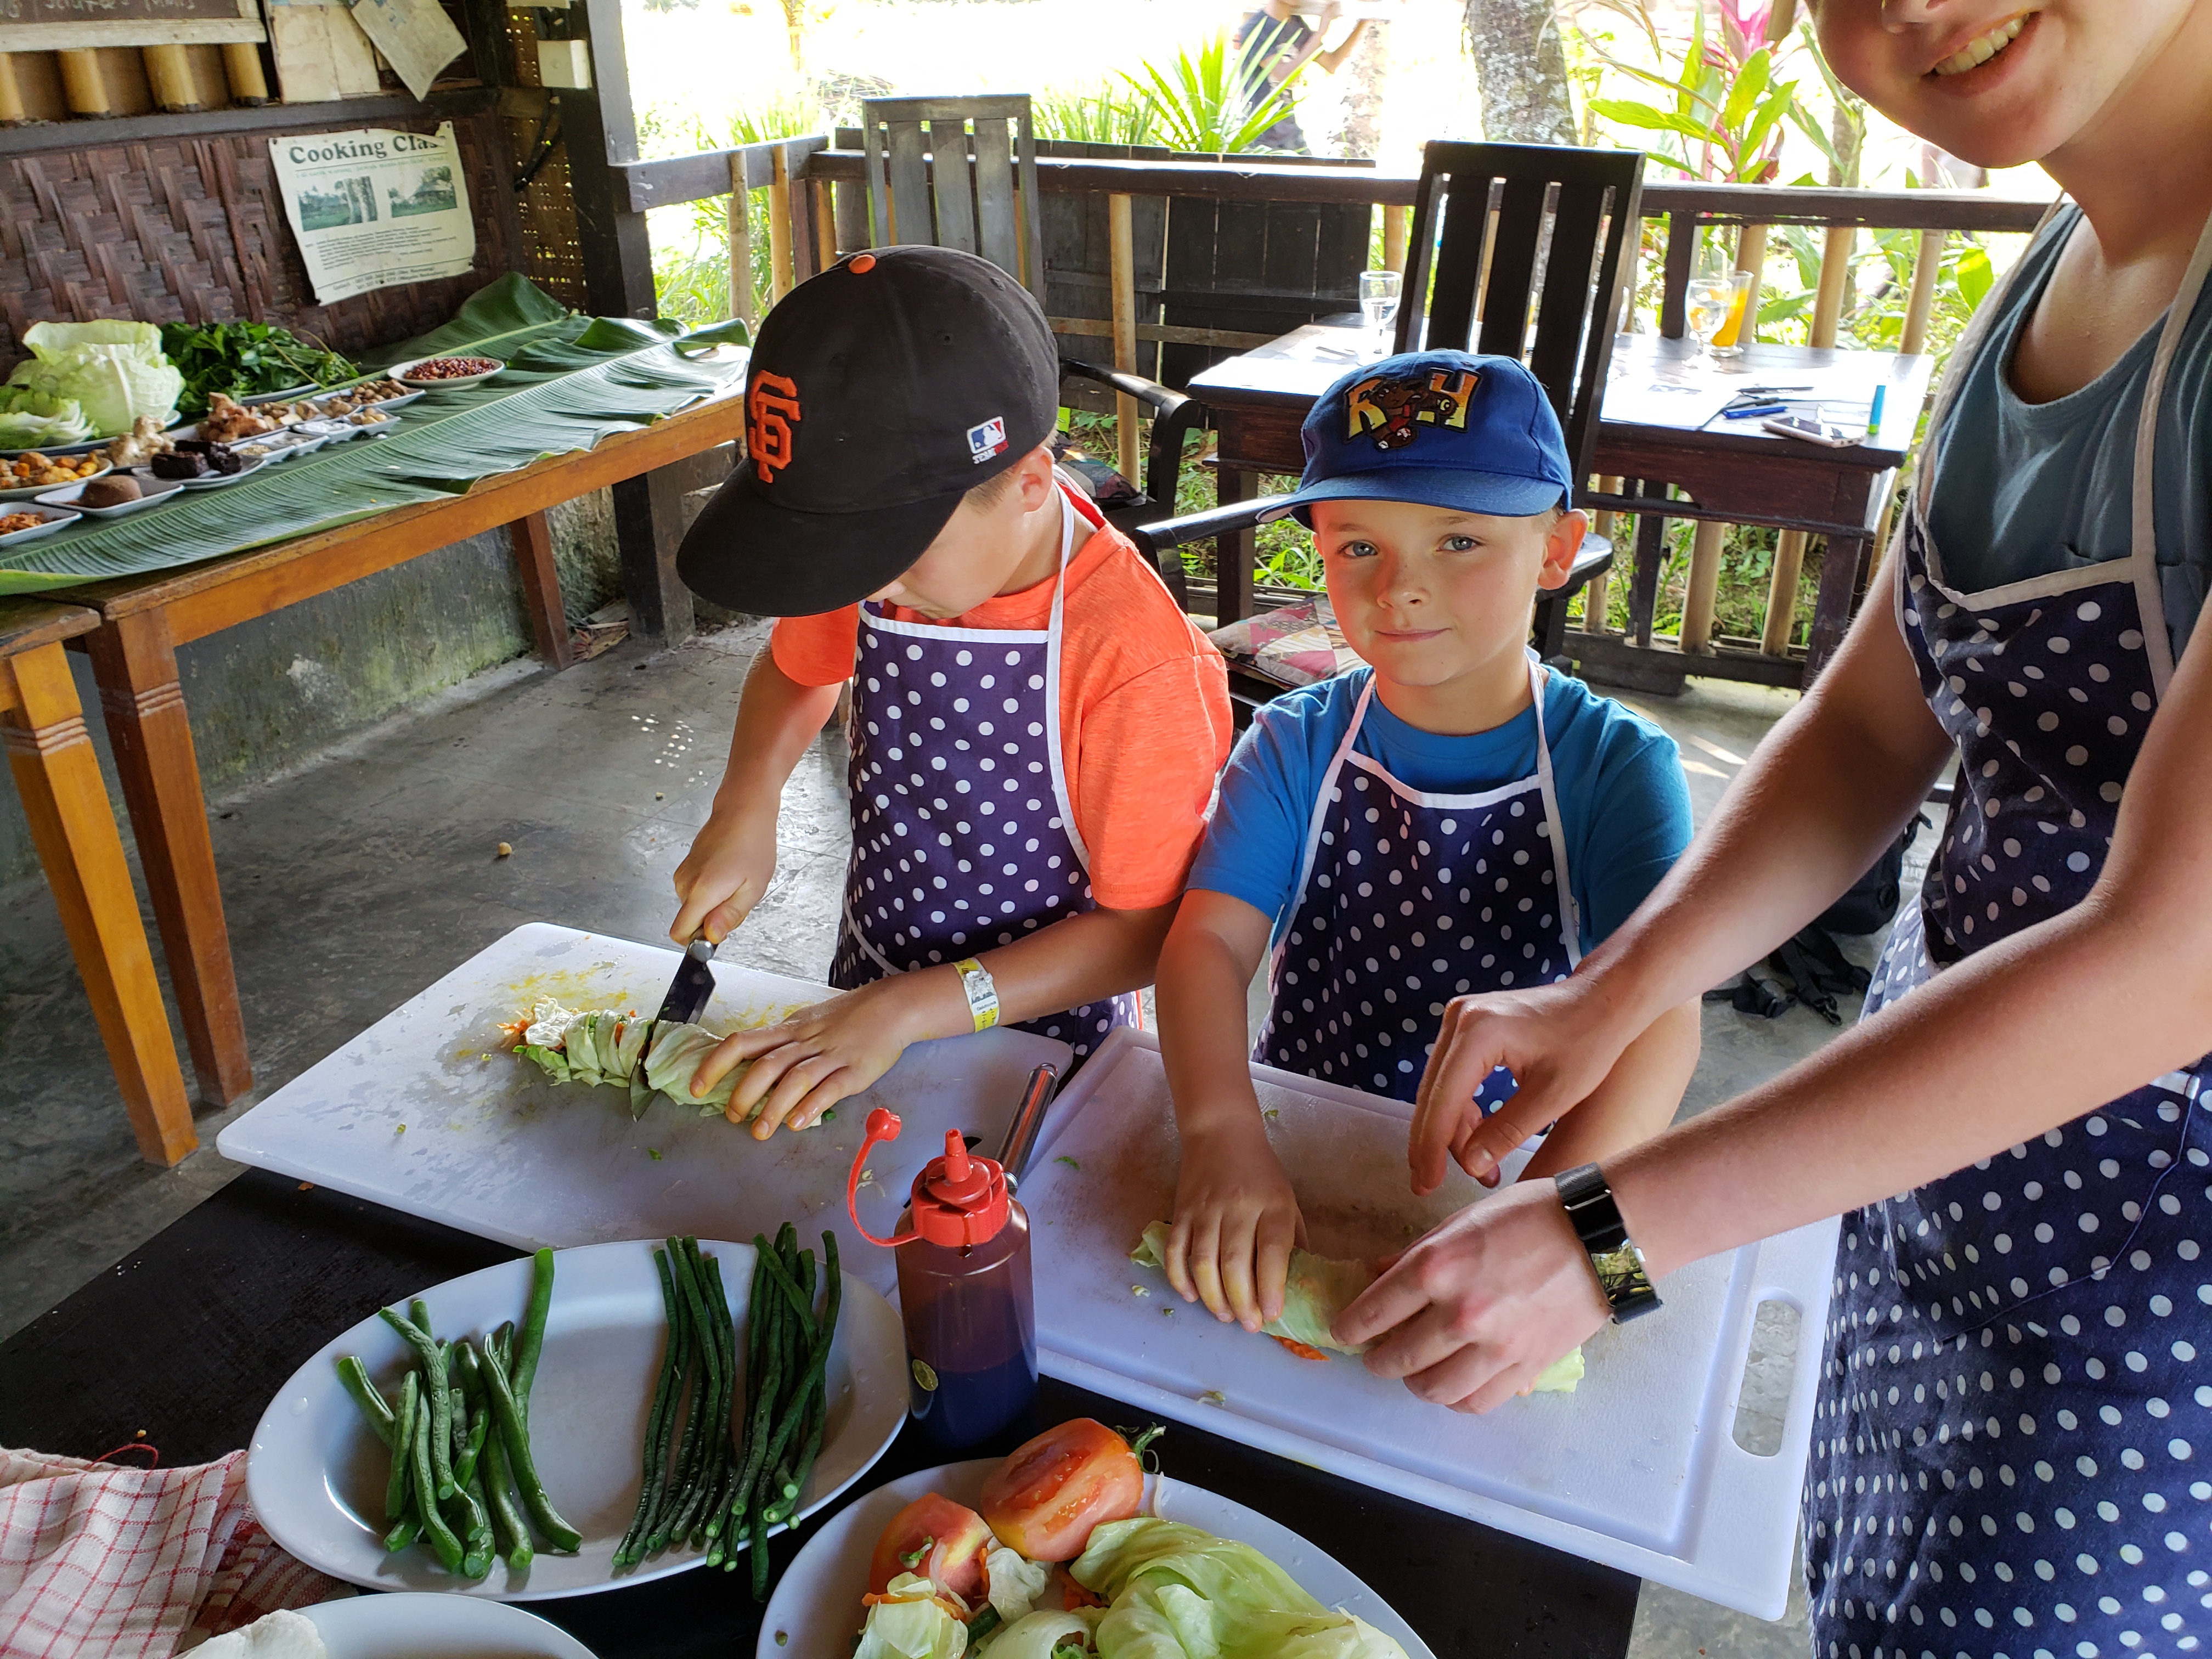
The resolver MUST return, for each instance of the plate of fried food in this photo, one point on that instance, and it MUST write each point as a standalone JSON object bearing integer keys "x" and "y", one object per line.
{"x": 27, "y": 524}
{"x": 34, "y": 474}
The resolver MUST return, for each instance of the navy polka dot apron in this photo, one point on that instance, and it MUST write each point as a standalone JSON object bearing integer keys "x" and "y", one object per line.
{"x": 2012, "y": 1451}
{"x": 961, "y": 836}
{"x": 1407, "y": 899}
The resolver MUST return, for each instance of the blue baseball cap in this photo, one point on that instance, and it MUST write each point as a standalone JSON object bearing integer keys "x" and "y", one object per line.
{"x": 1439, "y": 428}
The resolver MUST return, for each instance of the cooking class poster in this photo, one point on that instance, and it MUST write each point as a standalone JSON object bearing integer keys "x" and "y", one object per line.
{"x": 375, "y": 207}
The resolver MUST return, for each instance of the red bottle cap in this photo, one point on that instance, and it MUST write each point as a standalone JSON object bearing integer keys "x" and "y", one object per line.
{"x": 958, "y": 1200}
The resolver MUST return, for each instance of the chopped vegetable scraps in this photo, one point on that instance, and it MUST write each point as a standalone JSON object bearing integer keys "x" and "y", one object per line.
{"x": 608, "y": 1047}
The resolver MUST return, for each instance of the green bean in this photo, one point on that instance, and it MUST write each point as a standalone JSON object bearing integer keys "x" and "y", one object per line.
{"x": 722, "y": 1469}
{"x": 353, "y": 1375}
{"x": 773, "y": 1313}
{"x": 713, "y": 1407}
{"x": 404, "y": 1531}
{"x": 396, "y": 1483}
{"x": 532, "y": 1342}
{"x": 465, "y": 1464}
{"x": 689, "y": 1451}
{"x": 814, "y": 1391}
{"x": 447, "y": 1548}
{"x": 787, "y": 1283}
{"x": 419, "y": 1311}
{"x": 478, "y": 1546}
{"x": 760, "y": 1558}
{"x": 509, "y": 1417}
{"x": 672, "y": 1454}
{"x": 512, "y": 1531}
{"x": 432, "y": 1355}
{"x": 663, "y": 1402}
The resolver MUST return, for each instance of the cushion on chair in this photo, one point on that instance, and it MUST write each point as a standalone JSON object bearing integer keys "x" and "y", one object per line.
{"x": 1294, "y": 646}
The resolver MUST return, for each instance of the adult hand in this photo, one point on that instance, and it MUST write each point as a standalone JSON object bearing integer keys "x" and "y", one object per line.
{"x": 729, "y": 867}
{"x": 1236, "y": 1219}
{"x": 808, "y": 1063}
{"x": 1558, "y": 1041}
{"x": 1472, "y": 1313}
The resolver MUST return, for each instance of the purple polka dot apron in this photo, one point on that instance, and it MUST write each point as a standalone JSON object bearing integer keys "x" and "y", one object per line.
{"x": 962, "y": 840}
{"x": 1407, "y": 899}
{"x": 2012, "y": 1451}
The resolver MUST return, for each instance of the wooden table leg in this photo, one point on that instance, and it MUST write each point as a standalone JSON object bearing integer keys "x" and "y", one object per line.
{"x": 136, "y": 663}
{"x": 1233, "y": 554}
{"x": 66, "y": 803}
{"x": 1650, "y": 555}
{"x": 1843, "y": 567}
{"x": 533, "y": 541}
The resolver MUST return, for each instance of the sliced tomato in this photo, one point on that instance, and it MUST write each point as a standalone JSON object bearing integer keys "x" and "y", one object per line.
{"x": 1045, "y": 1498}
{"x": 946, "y": 1542}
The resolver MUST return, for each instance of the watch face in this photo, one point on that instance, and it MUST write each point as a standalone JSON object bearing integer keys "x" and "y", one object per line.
{"x": 1621, "y": 1274}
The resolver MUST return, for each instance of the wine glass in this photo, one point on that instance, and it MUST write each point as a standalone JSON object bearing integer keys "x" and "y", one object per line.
{"x": 1706, "y": 302}
{"x": 1378, "y": 302}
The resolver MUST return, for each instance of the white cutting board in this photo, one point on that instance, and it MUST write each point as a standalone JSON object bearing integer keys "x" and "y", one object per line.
{"x": 1637, "y": 1468}
{"x": 492, "y": 1146}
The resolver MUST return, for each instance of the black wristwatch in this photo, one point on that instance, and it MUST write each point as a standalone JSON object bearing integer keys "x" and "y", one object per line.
{"x": 1619, "y": 1264}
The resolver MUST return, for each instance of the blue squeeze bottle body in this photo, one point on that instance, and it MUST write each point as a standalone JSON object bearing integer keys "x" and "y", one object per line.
{"x": 965, "y": 1291}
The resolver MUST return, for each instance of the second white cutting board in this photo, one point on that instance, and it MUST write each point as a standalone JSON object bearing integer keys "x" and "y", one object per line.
{"x": 1637, "y": 1468}
{"x": 427, "y": 1112}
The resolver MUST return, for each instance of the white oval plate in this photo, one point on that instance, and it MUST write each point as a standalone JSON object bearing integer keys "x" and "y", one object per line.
{"x": 316, "y": 1475}
{"x": 437, "y": 1627}
{"x": 206, "y": 480}
{"x": 816, "y": 1610}
{"x": 152, "y": 492}
{"x": 404, "y": 370}
{"x": 56, "y": 517}
{"x": 27, "y": 492}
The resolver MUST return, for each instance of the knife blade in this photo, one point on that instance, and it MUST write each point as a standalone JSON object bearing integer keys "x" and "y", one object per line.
{"x": 689, "y": 992}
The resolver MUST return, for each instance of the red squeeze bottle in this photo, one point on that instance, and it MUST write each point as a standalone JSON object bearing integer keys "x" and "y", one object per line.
{"x": 964, "y": 1291}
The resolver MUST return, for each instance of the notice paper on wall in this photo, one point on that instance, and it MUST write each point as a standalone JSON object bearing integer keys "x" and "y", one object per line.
{"x": 373, "y": 209}
{"x": 415, "y": 37}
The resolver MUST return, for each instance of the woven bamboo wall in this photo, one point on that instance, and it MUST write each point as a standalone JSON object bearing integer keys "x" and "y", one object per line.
{"x": 194, "y": 228}
{"x": 552, "y": 256}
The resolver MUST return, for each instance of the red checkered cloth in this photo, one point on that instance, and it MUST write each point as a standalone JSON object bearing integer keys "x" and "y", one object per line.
{"x": 98, "y": 1562}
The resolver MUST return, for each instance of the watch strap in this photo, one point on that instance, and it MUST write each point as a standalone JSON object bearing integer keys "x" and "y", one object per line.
{"x": 1595, "y": 1218}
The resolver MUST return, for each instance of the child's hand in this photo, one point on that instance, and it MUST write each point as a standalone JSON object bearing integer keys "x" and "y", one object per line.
{"x": 818, "y": 1057}
{"x": 729, "y": 867}
{"x": 1236, "y": 1219}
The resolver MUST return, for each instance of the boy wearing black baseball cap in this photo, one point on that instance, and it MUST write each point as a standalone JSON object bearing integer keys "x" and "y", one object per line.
{"x": 1454, "y": 819}
{"x": 1035, "y": 726}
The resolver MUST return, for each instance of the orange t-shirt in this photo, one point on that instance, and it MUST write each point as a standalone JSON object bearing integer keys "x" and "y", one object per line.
{"x": 1144, "y": 708}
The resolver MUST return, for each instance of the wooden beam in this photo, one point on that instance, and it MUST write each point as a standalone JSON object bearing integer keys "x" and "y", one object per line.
{"x": 1123, "y": 258}
{"x": 531, "y": 539}
{"x": 1397, "y": 230}
{"x": 1103, "y": 327}
{"x": 737, "y": 217}
{"x": 272, "y": 119}
{"x": 780, "y": 275}
{"x": 1914, "y": 335}
{"x": 1789, "y": 546}
{"x": 12, "y": 114}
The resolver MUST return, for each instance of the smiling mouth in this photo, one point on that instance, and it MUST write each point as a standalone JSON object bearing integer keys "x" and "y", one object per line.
{"x": 1978, "y": 51}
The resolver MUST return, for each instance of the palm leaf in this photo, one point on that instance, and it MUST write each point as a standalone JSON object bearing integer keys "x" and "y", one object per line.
{"x": 581, "y": 379}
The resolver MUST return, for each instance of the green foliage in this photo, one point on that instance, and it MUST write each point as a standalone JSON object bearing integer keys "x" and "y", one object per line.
{"x": 691, "y": 241}
{"x": 1723, "y": 116}
{"x": 1214, "y": 100}
{"x": 1103, "y": 114}
{"x": 244, "y": 359}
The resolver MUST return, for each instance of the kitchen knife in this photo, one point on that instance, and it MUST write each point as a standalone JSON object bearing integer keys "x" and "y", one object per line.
{"x": 689, "y": 992}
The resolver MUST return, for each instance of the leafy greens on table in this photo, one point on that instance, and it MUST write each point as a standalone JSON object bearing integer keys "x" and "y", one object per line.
{"x": 242, "y": 359}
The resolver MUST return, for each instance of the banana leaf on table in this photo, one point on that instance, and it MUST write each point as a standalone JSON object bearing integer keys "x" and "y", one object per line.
{"x": 571, "y": 380}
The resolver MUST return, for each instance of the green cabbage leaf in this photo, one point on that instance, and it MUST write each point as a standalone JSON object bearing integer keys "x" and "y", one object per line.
{"x": 910, "y": 1627}
{"x": 114, "y": 371}
{"x": 31, "y": 420}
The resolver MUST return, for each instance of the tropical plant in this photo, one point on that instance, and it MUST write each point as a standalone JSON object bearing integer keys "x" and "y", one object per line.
{"x": 1103, "y": 114}
{"x": 1216, "y": 100}
{"x": 691, "y": 252}
{"x": 1724, "y": 119}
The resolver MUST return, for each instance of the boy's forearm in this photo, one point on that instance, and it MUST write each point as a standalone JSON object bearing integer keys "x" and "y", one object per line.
{"x": 1203, "y": 978}
{"x": 1638, "y": 1099}
{"x": 777, "y": 719}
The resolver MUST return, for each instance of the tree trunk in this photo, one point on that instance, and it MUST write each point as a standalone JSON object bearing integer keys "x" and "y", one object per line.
{"x": 1364, "y": 75}
{"x": 1523, "y": 72}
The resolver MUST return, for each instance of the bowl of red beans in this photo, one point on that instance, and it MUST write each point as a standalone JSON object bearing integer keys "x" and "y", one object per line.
{"x": 429, "y": 373}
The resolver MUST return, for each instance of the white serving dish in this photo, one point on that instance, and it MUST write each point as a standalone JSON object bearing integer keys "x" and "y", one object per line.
{"x": 337, "y": 429}
{"x": 56, "y": 517}
{"x": 152, "y": 492}
{"x": 403, "y": 372}
{"x": 816, "y": 1610}
{"x": 412, "y": 1626}
{"x": 31, "y": 492}
{"x": 288, "y": 444}
{"x": 290, "y": 395}
{"x": 206, "y": 480}
{"x": 316, "y": 1475}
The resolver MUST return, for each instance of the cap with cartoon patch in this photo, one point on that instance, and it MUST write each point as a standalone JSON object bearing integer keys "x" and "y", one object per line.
{"x": 879, "y": 393}
{"x": 1440, "y": 428}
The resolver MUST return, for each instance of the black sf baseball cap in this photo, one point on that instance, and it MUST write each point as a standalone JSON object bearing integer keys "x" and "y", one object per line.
{"x": 879, "y": 393}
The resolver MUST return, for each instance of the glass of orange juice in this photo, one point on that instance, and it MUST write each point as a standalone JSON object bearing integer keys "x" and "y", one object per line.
{"x": 1729, "y": 341}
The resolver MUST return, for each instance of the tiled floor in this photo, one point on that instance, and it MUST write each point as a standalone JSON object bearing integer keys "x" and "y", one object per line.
{"x": 351, "y": 883}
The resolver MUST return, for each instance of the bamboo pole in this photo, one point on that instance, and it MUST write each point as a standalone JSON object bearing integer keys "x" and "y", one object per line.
{"x": 739, "y": 224}
{"x": 1397, "y": 231}
{"x": 782, "y": 275}
{"x": 84, "y": 85}
{"x": 1122, "y": 248}
{"x": 12, "y": 114}
{"x": 241, "y": 67}
{"x": 1789, "y": 546}
{"x": 826, "y": 250}
{"x": 169, "y": 76}
{"x": 1594, "y": 591}
{"x": 1922, "y": 298}
{"x": 1705, "y": 545}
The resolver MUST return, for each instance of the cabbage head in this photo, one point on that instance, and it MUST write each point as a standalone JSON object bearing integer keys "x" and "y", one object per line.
{"x": 114, "y": 371}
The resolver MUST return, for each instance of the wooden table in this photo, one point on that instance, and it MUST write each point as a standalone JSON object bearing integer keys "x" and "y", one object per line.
{"x": 144, "y": 619}
{"x": 190, "y": 1338}
{"x": 1258, "y": 400}
{"x": 66, "y": 801}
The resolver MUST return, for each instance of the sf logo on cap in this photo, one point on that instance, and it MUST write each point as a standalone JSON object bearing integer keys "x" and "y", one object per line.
{"x": 1392, "y": 410}
{"x": 770, "y": 408}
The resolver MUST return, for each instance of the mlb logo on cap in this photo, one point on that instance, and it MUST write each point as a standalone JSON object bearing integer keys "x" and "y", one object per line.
{"x": 987, "y": 440}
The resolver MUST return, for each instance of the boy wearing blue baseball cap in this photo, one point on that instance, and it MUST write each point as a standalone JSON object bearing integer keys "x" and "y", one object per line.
{"x": 1453, "y": 819}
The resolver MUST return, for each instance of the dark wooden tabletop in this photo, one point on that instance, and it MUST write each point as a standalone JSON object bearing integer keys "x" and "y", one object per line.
{"x": 188, "y": 1339}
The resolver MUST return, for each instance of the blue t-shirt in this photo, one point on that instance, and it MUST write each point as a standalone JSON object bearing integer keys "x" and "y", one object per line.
{"x": 1618, "y": 777}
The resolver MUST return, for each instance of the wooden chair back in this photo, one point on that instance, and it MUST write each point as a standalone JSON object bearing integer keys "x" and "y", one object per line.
{"x": 1522, "y": 251}
{"x": 957, "y": 173}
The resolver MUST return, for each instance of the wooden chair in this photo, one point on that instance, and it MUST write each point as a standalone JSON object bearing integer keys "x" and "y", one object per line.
{"x": 1515, "y": 250}
{"x": 961, "y": 173}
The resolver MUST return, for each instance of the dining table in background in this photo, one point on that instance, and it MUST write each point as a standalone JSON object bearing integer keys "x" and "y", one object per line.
{"x": 1726, "y": 472}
